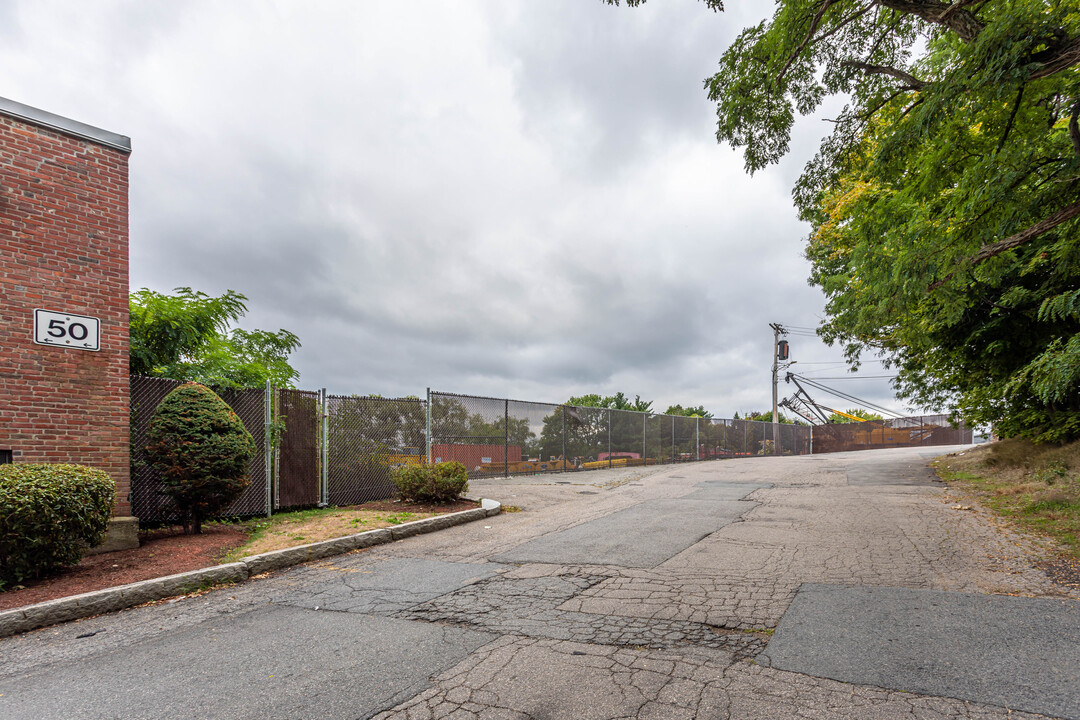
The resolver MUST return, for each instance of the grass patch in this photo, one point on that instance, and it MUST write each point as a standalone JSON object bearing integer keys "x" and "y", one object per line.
{"x": 1035, "y": 486}
{"x": 301, "y": 527}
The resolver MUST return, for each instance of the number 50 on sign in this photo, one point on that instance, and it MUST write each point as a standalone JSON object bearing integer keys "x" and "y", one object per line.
{"x": 59, "y": 329}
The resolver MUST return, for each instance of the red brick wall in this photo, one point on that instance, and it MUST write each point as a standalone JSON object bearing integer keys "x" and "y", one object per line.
{"x": 63, "y": 247}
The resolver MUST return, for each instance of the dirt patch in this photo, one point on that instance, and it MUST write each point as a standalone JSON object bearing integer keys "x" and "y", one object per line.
{"x": 300, "y": 528}
{"x": 1034, "y": 487}
{"x": 167, "y": 551}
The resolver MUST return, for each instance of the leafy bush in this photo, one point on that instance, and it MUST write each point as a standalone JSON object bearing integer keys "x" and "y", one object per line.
{"x": 50, "y": 515}
{"x": 441, "y": 482}
{"x": 202, "y": 450}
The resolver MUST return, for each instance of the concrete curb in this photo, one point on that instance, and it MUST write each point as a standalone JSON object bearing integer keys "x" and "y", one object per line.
{"x": 31, "y": 617}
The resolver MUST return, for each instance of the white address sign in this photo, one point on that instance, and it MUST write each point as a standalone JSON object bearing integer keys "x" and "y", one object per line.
{"x": 59, "y": 329}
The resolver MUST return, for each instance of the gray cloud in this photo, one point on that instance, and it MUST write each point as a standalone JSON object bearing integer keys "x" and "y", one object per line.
{"x": 497, "y": 197}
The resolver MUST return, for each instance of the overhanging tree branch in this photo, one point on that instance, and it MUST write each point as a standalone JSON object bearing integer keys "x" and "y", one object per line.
{"x": 806, "y": 40}
{"x": 913, "y": 83}
{"x": 962, "y": 22}
{"x": 1012, "y": 119}
{"x": 1053, "y": 60}
{"x": 1074, "y": 127}
{"x": 1063, "y": 215}
{"x": 960, "y": 4}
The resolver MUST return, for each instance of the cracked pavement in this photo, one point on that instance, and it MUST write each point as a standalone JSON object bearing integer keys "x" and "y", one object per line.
{"x": 835, "y": 586}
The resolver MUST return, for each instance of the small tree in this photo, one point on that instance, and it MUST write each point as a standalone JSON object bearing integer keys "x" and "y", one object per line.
{"x": 202, "y": 450}
{"x": 186, "y": 336}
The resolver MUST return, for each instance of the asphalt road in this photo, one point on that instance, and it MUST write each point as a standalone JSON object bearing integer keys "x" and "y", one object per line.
{"x": 837, "y": 586}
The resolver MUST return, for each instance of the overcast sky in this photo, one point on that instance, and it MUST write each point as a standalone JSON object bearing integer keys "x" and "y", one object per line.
{"x": 518, "y": 198}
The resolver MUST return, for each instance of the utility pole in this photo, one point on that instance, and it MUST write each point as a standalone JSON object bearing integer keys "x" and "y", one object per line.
{"x": 778, "y": 330}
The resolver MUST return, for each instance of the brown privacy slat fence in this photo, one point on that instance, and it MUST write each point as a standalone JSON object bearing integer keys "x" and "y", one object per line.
{"x": 149, "y": 502}
{"x": 340, "y": 450}
{"x": 912, "y": 431}
{"x": 298, "y": 457}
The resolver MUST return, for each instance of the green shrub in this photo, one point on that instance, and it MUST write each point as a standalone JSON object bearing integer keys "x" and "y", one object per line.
{"x": 202, "y": 450}
{"x": 50, "y": 515}
{"x": 442, "y": 482}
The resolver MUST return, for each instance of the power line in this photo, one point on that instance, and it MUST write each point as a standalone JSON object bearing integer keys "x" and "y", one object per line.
{"x": 855, "y": 377}
{"x": 832, "y": 362}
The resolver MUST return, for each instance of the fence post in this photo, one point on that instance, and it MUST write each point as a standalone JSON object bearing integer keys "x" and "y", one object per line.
{"x": 645, "y": 438}
{"x": 268, "y": 444}
{"x": 427, "y": 426}
{"x": 277, "y": 451}
{"x": 506, "y": 437}
{"x": 609, "y": 438}
{"x": 697, "y": 437}
{"x": 562, "y": 408}
{"x": 324, "y": 451}
{"x": 672, "y": 438}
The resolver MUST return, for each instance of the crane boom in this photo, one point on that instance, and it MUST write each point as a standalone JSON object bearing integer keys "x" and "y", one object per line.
{"x": 847, "y": 415}
{"x": 815, "y": 404}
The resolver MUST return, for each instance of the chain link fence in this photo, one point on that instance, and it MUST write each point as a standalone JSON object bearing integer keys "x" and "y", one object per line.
{"x": 341, "y": 450}
{"x": 498, "y": 436}
{"x": 296, "y": 460}
{"x": 919, "y": 430}
{"x": 149, "y": 502}
{"x": 366, "y": 438}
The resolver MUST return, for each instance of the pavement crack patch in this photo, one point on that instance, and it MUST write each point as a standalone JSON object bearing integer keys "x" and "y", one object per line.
{"x": 529, "y": 607}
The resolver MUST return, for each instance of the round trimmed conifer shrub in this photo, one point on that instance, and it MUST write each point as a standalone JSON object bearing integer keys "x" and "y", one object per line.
{"x": 50, "y": 515}
{"x": 202, "y": 450}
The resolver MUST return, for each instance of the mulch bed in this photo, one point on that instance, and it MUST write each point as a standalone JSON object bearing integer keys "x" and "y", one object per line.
{"x": 164, "y": 551}
{"x": 167, "y": 551}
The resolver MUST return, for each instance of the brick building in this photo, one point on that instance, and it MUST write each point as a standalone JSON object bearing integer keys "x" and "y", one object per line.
{"x": 64, "y": 295}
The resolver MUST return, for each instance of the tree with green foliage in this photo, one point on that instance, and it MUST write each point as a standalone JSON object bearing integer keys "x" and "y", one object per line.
{"x": 857, "y": 412}
{"x": 583, "y": 422}
{"x": 187, "y": 336}
{"x": 452, "y": 422}
{"x": 202, "y": 450}
{"x": 698, "y": 411}
{"x": 944, "y": 206}
{"x": 766, "y": 417}
{"x": 618, "y": 401}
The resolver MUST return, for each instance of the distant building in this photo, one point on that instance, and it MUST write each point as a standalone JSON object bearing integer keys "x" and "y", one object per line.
{"x": 473, "y": 456}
